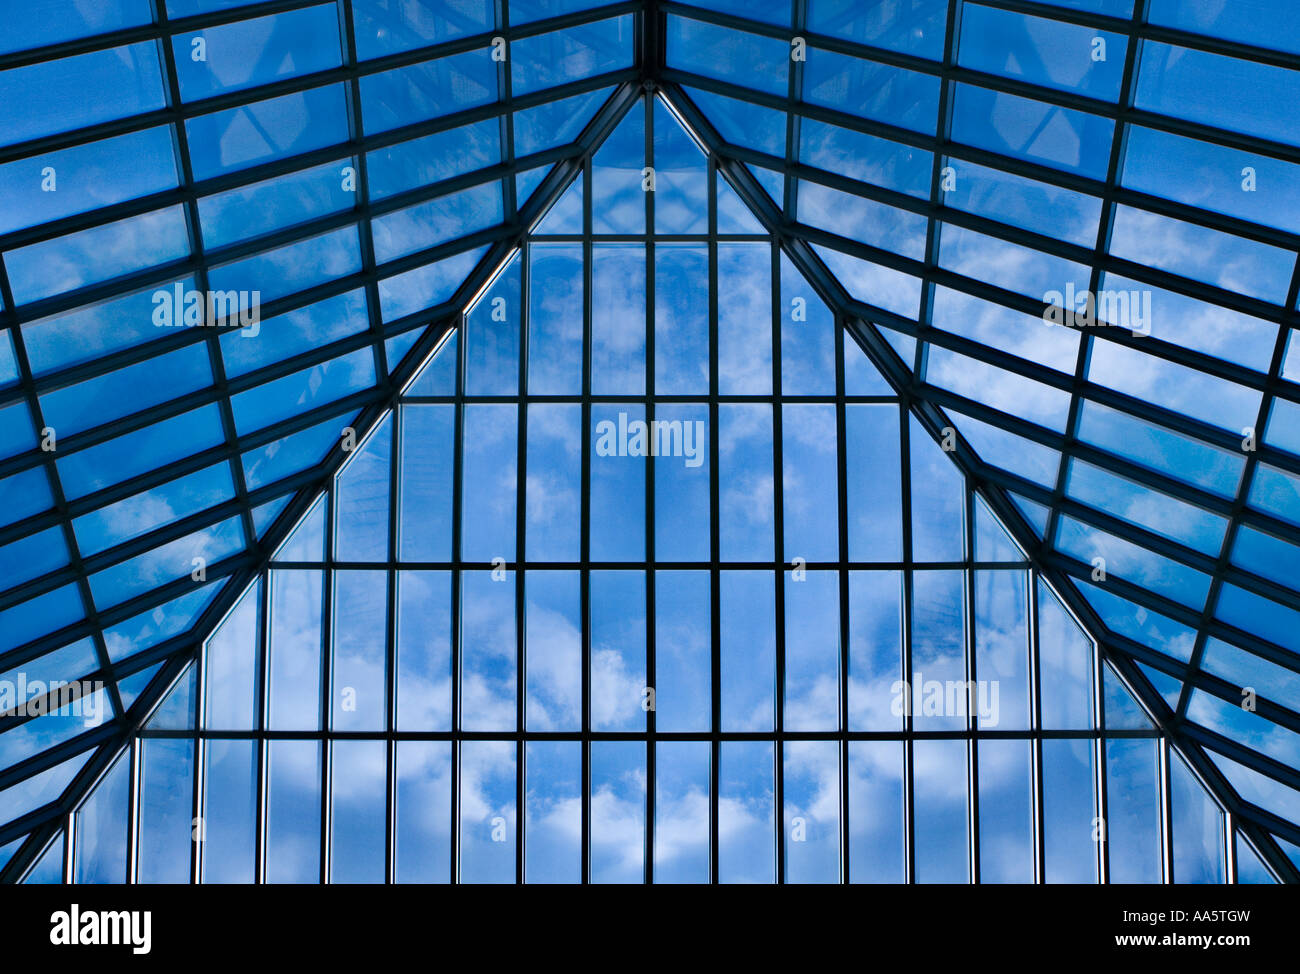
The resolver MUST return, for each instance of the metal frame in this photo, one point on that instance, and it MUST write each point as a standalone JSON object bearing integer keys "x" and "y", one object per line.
{"x": 717, "y": 737}
{"x": 926, "y": 401}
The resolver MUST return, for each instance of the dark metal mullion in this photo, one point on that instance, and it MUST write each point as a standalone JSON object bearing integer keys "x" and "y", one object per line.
{"x": 798, "y": 14}
{"x": 1241, "y": 753}
{"x": 994, "y": 293}
{"x": 919, "y": 63}
{"x": 326, "y": 675}
{"x": 507, "y": 125}
{"x": 166, "y": 274}
{"x": 715, "y": 543}
{"x": 151, "y": 598}
{"x": 361, "y": 208}
{"x": 970, "y": 623}
{"x": 651, "y": 470}
{"x": 779, "y": 558}
{"x": 845, "y": 631}
{"x": 198, "y": 822}
{"x": 1101, "y": 836}
{"x": 69, "y": 848}
{"x": 391, "y": 635}
{"x": 134, "y": 759}
{"x": 521, "y": 507}
{"x": 261, "y": 720}
{"x": 909, "y": 588}
{"x": 1036, "y": 724}
{"x": 1166, "y": 811}
{"x": 588, "y": 256}
{"x": 1229, "y": 833}
{"x": 457, "y": 614}
{"x": 1231, "y": 692}
{"x": 521, "y": 520}
{"x": 1177, "y": 421}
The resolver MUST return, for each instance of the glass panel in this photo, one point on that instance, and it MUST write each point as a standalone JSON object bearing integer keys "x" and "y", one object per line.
{"x": 293, "y": 812}
{"x": 681, "y": 853}
{"x": 358, "y": 778}
{"x": 1133, "y": 804}
{"x": 939, "y": 779}
{"x": 487, "y": 647}
{"x": 102, "y": 828}
{"x": 683, "y": 651}
{"x": 618, "y": 810}
{"x": 747, "y": 612}
{"x": 358, "y": 669}
{"x": 424, "y": 642}
{"x": 1006, "y": 812}
{"x": 553, "y": 824}
{"x": 746, "y": 821}
{"x": 1071, "y": 828}
{"x": 620, "y": 697}
{"x": 553, "y": 651}
{"x": 166, "y": 829}
{"x": 812, "y": 651}
{"x": 230, "y": 811}
{"x": 488, "y": 819}
{"x": 423, "y": 811}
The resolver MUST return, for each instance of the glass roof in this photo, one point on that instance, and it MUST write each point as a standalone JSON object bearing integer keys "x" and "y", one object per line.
{"x": 1064, "y": 234}
{"x": 441, "y": 623}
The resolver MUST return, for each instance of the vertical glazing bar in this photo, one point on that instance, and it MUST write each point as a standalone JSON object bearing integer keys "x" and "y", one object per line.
{"x": 909, "y": 796}
{"x": 842, "y": 528}
{"x": 715, "y": 545}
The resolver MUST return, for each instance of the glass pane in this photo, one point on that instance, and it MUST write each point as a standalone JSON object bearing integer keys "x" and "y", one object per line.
{"x": 487, "y": 812}
{"x": 811, "y": 791}
{"x": 230, "y": 812}
{"x": 423, "y": 812}
{"x": 746, "y": 820}
{"x": 877, "y": 826}
{"x": 553, "y": 823}
{"x": 293, "y": 812}
{"x": 681, "y": 853}
{"x": 618, "y": 810}
{"x": 1006, "y": 812}
{"x": 939, "y": 779}
{"x": 358, "y": 777}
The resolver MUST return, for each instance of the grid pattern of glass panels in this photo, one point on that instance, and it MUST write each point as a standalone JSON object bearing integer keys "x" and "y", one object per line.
{"x": 788, "y": 640}
{"x": 1075, "y": 225}
{"x": 950, "y": 175}
{"x": 225, "y": 229}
